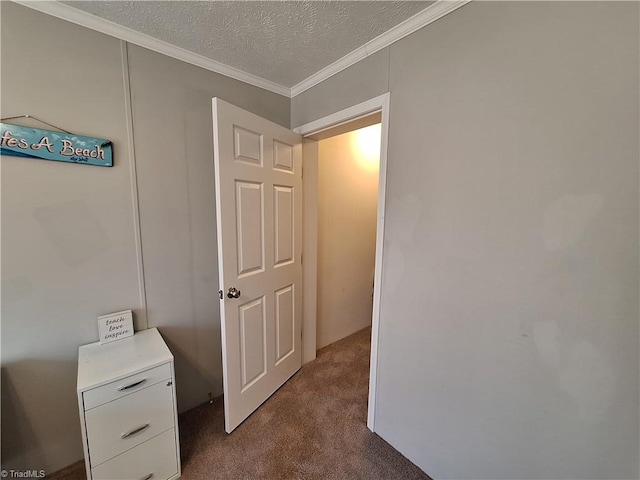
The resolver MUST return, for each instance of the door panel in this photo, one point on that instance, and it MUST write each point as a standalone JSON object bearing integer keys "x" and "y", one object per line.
{"x": 285, "y": 308}
{"x": 249, "y": 225}
{"x": 253, "y": 338}
{"x": 283, "y": 157}
{"x": 247, "y": 146}
{"x": 258, "y": 167}
{"x": 284, "y": 224}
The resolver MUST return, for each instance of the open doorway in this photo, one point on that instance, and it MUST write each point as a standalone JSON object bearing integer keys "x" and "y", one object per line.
{"x": 374, "y": 111}
{"x": 348, "y": 172}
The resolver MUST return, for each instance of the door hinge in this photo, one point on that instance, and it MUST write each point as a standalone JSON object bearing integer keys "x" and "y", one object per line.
{"x": 220, "y": 294}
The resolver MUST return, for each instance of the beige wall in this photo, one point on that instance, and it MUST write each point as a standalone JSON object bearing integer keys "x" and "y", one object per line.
{"x": 509, "y": 327}
{"x": 347, "y": 210}
{"x": 69, "y": 249}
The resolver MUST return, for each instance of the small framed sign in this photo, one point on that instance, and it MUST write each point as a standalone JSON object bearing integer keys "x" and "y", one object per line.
{"x": 19, "y": 141}
{"x": 115, "y": 326}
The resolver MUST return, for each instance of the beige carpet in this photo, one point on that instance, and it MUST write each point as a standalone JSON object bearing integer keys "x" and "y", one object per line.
{"x": 314, "y": 427}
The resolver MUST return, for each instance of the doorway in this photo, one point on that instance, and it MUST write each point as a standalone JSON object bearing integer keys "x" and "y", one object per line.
{"x": 269, "y": 207}
{"x": 348, "y": 165}
{"x": 374, "y": 111}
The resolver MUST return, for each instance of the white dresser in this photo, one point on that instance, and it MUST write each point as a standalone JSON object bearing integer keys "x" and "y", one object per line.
{"x": 127, "y": 400}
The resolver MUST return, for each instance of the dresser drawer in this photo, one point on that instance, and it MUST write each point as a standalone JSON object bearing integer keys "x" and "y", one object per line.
{"x": 155, "y": 457}
{"x": 118, "y": 426}
{"x": 111, "y": 391}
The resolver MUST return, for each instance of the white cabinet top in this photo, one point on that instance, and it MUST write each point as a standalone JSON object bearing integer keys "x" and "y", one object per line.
{"x": 100, "y": 364}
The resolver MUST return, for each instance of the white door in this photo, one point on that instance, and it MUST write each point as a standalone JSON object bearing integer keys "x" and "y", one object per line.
{"x": 258, "y": 175}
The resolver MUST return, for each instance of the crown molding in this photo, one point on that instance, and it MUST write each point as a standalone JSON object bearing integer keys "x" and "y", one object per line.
{"x": 425, "y": 17}
{"x": 84, "y": 19}
{"x": 66, "y": 12}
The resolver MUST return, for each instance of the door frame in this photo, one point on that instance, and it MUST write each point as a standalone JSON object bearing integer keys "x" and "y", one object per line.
{"x": 310, "y": 264}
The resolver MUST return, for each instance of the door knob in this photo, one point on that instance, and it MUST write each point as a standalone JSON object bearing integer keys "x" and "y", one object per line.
{"x": 233, "y": 292}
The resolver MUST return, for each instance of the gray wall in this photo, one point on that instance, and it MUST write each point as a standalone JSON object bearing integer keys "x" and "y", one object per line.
{"x": 362, "y": 81}
{"x": 69, "y": 231}
{"x": 509, "y": 318}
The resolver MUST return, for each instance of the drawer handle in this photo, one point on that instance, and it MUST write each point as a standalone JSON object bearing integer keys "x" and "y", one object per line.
{"x": 131, "y": 385}
{"x": 134, "y": 431}
{"x": 148, "y": 477}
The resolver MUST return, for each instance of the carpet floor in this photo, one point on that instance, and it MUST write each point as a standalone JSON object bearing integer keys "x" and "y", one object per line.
{"x": 314, "y": 427}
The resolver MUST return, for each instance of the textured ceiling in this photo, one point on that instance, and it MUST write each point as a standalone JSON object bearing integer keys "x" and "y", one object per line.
{"x": 281, "y": 41}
